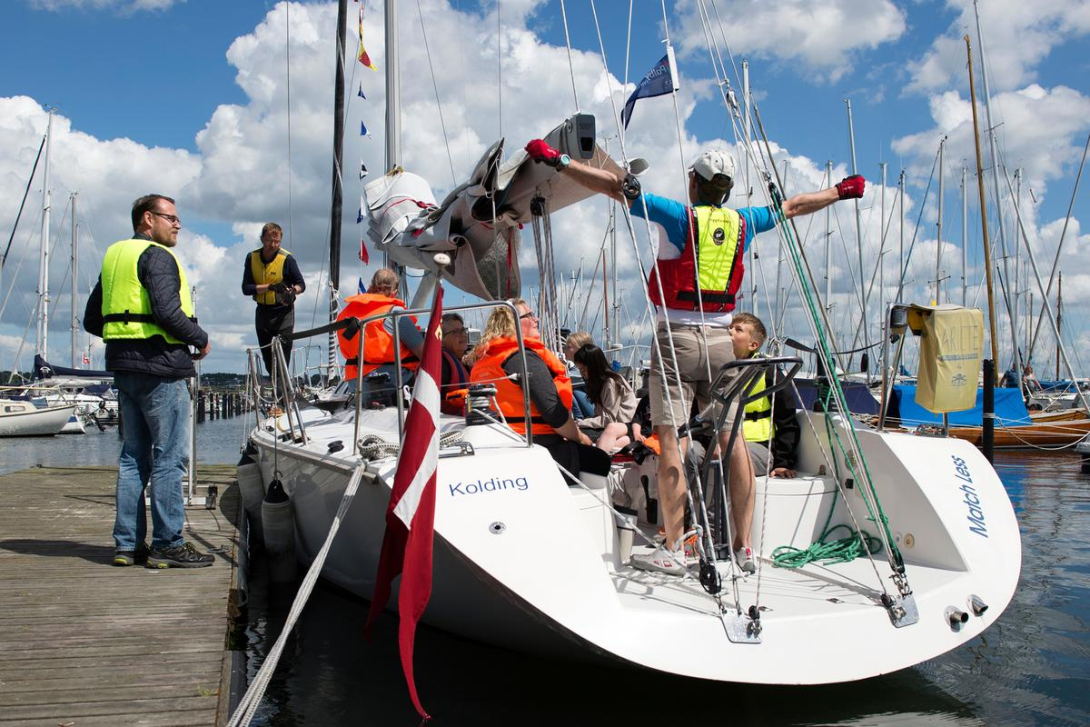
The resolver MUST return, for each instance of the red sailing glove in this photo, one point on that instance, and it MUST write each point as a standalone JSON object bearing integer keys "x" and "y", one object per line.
{"x": 851, "y": 187}
{"x": 539, "y": 151}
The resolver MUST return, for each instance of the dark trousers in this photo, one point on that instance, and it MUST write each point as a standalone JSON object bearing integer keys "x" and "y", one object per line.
{"x": 271, "y": 321}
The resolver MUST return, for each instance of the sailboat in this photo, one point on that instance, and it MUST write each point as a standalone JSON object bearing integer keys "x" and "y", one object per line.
{"x": 529, "y": 560}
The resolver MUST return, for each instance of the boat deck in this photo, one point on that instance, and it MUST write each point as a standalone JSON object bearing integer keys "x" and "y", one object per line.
{"x": 85, "y": 643}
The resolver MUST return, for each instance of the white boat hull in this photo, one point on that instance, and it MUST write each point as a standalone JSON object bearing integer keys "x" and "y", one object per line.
{"x": 30, "y": 421}
{"x": 525, "y": 562}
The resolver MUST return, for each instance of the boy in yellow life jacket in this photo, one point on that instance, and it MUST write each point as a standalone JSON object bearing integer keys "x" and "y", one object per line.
{"x": 771, "y": 429}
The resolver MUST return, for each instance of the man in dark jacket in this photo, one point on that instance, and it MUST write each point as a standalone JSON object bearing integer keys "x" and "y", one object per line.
{"x": 141, "y": 306}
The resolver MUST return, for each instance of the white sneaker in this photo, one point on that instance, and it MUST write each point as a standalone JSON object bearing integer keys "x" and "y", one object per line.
{"x": 745, "y": 560}
{"x": 660, "y": 560}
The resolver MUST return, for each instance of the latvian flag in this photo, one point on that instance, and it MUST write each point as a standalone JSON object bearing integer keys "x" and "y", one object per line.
{"x": 410, "y": 516}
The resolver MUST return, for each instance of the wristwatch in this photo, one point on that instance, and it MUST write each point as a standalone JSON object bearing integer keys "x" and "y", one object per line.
{"x": 562, "y": 162}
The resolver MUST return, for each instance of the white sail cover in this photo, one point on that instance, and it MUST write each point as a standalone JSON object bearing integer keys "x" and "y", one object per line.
{"x": 478, "y": 222}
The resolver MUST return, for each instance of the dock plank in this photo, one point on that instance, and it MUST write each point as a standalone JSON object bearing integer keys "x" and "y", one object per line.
{"x": 86, "y": 643}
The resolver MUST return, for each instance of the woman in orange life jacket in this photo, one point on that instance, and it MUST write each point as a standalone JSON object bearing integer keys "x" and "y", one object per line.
{"x": 550, "y": 389}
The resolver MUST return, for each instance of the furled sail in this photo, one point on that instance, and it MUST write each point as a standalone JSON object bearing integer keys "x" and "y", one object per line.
{"x": 478, "y": 223}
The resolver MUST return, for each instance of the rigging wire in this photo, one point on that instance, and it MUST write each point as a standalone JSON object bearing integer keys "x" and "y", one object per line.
{"x": 567, "y": 42}
{"x": 287, "y": 76}
{"x": 435, "y": 87}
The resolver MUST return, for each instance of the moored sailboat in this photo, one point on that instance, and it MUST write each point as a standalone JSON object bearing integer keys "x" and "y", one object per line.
{"x": 530, "y": 559}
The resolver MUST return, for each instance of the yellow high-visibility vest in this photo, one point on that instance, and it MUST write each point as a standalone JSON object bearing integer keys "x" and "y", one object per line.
{"x": 268, "y": 273}
{"x": 126, "y": 306}
{"x": 757, "y": 425}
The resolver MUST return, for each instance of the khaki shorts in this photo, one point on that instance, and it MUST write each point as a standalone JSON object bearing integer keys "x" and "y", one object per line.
{"x": 694, "y": 365}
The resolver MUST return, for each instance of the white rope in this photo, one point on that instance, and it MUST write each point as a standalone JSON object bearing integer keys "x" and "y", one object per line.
{"x": 250, "y": 701}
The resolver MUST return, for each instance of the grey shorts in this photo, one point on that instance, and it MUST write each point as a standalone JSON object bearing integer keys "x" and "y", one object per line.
{"x": 694, "y": 362}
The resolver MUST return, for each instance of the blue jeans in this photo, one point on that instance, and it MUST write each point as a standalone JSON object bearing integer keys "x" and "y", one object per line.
{"x": 155, "y": 416}
{"x": 582, "y": 408}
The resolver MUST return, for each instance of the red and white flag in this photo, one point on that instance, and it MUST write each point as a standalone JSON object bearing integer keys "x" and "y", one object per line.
{"x": 86, "y": 359}
{"x": 410, "y": 516}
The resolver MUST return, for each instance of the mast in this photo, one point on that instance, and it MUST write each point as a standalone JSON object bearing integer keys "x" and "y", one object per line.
{"x": 938, "y": 227}
{"x": 858, "y": 231}
{"x": 828, "y": 243}
{"x": 1059, "y": 247}
{"x": 43, "y": 258}
{"x": 901, "y": 257}
{"x": 1059, "y": 317}
{"x": 964, "y": 239}
{"x": 983, "y": 210}
{"x": 882, "y": 270}
{"x": 75, "y": 277}
{"x": 995, "y": 185}
{"x": 338, "y": 192}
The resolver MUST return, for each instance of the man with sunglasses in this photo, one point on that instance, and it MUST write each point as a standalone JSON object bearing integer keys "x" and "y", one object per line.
{"x": 455, "y": 376}
{"x": 142, "y": 307}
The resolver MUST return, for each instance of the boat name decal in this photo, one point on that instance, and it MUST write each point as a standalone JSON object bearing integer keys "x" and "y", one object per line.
{"x": 491, "y": 485}
{"x": 972, "y": 500}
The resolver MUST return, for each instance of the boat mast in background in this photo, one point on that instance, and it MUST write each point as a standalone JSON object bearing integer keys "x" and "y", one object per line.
{"x": 964, "y": 239}
{"x": 1059, "y": 318}
{"x": 43, "y": 258}
{"x": 1059, "y": 248}
{"x": 75, "y": 278}
{"x": 858, "y": 234}
{"x": 938, "y": 225}
{"x": 983, "y": 211}
{"x": 828, "y": 243}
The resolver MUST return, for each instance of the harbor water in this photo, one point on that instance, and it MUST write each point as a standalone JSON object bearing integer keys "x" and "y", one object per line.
{"x": 1031, "y": 668}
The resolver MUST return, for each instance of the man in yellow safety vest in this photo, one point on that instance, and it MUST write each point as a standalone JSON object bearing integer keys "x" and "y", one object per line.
{"x": 272, "y": 278}
{"x": 142, "y": 307}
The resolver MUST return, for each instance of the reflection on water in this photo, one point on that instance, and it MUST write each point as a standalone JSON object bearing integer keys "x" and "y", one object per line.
{"x": 1030, "y": 668}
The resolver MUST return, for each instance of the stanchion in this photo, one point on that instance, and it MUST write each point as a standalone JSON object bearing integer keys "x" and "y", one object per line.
{"x": 989, "y": 409}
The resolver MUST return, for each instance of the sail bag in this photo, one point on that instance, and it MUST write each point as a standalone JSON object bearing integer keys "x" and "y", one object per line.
{"x": 951, "y": 342}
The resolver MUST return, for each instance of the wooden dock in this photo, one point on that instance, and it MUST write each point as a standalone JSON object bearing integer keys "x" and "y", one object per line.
{"x": 84, "y": 643}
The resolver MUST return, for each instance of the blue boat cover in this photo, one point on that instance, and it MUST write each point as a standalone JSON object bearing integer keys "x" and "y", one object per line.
{"x": 45, "y": 370}
{"x": 1010, "y": 409}
{"x": 858, "y": 396}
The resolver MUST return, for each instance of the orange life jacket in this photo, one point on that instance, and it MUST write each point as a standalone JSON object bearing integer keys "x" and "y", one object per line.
{"x": 489, "y": 369}
{"x": 378, "y": 345}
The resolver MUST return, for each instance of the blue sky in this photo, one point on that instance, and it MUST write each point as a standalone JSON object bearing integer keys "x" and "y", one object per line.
{"x": 198, "y": 88}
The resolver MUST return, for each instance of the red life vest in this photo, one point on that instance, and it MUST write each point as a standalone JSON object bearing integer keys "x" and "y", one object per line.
{"x": 489, "y": 369}
{"x": 717, "y": 242}
{"x": 378, "y": 344}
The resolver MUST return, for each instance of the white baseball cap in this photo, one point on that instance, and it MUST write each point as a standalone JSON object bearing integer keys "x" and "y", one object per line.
{"x": 712, "y": 162}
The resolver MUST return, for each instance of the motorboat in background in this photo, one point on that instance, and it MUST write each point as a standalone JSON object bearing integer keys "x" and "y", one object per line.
{"x": 24, "y": 419}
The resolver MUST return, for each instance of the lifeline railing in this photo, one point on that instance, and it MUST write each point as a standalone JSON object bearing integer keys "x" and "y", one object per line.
{"x": 352, "y": 328}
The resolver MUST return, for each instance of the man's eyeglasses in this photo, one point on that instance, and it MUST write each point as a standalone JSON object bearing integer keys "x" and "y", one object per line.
{"x": 528, "y": 314}
{"x": 454, "y": 332}
{"x": 172, "y": 219}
